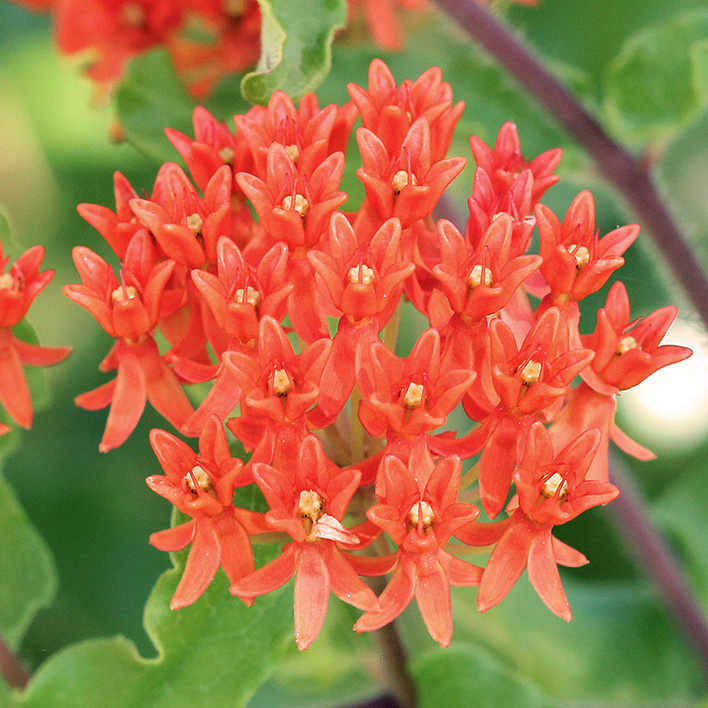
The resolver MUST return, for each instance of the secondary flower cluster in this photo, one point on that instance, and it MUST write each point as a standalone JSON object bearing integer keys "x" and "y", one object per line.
{"x": 20, "y": 283}
{"x": 345, "y": 435}
{"x": 206, "y": 39}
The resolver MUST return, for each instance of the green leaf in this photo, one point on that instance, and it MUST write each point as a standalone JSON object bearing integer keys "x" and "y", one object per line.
{"x": 27, "y": 576}
{"x": 215, "y": 652}
{"x": 5, "y": 696}
{"x": 4, "y": 228}
{"x": 682, "y": 174}
{"x": 335, "y": 670}
{"x": 658, "y": 82}
{"x": 296, "y": 40}
{"x": 151, "y": 98}
{"x": 620, "y": 648}
{"x": 466, "y": 675}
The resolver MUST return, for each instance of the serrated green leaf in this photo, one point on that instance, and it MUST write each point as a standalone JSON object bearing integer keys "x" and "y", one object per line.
{"x": 213, "y": 653}
{"x": 466, "y": 675}
{"x": 27, "y": 575}
{"x": 657, "y": 83}
{"x": 296, "y": 40}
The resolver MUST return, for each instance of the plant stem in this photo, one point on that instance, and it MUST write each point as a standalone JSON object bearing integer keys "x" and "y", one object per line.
{"x": 393, "y": 654}
{"x": 394, "y": 659}
{"x": 11, "y": 668}
{"x": 628, "y": 174}
{"x": 655, "y": 559}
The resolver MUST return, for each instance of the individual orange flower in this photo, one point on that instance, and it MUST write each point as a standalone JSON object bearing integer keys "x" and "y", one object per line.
{"x": 128, "y": 309}
{"x": 202, "y": 486}
{"x": 552, "y": 490}
{"x": 308, "y": 503}
{"x": 19, "y": 286}
{"x": 418, "y": 509}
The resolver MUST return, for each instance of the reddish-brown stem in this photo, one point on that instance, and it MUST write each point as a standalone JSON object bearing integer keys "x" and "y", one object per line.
{"x": 657, "y": 562}
{"x": 627, "y": 173}
{"x": 395, "y": 659}
{"x": 11, "y": 668}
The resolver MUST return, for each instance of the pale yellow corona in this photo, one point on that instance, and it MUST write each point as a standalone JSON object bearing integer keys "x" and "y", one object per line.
{"x": 124, "y": 292}
{"x": 413, "y": 397}
{"x": 252, "y": 296}
{"x": 195, "y": 223}
{"x": 301, "y": 205}
{"x": 402, "y": 179}
{"x": 478, "y": 275}
{"x": 198, "y": 478}
{"x": 626, "y": 344}
{"x": 555, "y": 483}
{"x": 361, "y": 274}
{"x": 281, "y": 383}
{"x": 531, "y": 373}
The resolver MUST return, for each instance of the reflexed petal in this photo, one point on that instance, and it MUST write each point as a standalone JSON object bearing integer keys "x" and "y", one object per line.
{"x": 128, "y": 403}
{"x": 506, "y": 563}
{"x": 311, "y": 595}
{"x": 270, "y": 577}
{"x": 393, "y": 600}
{"x": 543, "y": 574}
{"x": 235, "y": 547}
{"x": 345, "y": 583}
{"x": 202, "y": 564}
{"x": 433, "y": 596}
{"x": 14, "y": 390}
{"x": 567, "y": 556}
{"x": 175, "y": 538}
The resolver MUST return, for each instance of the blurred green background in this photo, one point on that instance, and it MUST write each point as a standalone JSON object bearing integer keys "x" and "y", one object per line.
{"x": 95, "y": 511}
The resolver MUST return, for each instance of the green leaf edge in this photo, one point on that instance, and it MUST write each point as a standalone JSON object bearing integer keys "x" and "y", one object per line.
{"x": 620, "y": 119}
{"x": 35, "y": 551}
{"x": 270, "y": 75}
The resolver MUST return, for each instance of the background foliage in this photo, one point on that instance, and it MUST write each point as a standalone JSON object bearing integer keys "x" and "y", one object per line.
{"x": 645, "y": 75}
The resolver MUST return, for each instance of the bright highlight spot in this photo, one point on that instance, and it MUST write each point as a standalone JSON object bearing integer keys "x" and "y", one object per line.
{"x": 670, "y": 408}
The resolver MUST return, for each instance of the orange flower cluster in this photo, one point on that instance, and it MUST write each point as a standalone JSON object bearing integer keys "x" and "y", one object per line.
{"x": 248, "y": 270}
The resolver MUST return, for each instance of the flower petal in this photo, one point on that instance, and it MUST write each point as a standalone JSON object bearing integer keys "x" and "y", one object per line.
{"x": 312, "y": 588}
{"x": 202, "y": 564}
